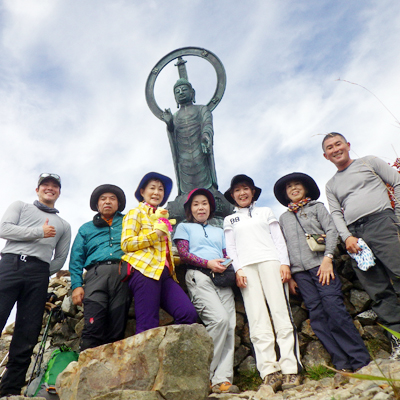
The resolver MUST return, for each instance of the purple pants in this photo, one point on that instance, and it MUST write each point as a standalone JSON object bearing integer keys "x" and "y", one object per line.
{"x": 150, "y": 295}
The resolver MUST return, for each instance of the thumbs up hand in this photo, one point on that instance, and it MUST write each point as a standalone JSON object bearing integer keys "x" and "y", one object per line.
{"x": 49, "y": 230}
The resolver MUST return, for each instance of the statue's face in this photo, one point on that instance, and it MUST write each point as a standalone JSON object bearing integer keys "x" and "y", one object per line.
{"x": 183, "y": 94}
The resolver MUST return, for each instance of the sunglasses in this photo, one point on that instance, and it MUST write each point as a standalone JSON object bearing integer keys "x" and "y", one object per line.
{"x": 55, "y": 176}
{"x": 46, "y": 175}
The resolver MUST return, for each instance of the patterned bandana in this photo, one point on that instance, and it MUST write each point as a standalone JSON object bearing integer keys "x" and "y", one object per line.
{"x": 296, "y": 205}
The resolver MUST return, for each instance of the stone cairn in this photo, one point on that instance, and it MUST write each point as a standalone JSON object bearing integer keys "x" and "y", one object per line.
{"x": 312, "y": 351}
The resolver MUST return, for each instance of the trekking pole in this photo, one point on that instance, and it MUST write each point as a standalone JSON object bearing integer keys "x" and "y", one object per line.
{"x": 39, "y": 357}
{"x": 1, "y": 364}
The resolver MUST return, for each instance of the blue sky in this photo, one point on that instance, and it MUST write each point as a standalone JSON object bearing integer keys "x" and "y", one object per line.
{"x": 73, "y": 74}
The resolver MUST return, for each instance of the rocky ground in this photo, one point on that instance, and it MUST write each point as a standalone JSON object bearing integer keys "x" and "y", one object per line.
{"x": 324, "y": 389}
{"x": 328, "y": 389}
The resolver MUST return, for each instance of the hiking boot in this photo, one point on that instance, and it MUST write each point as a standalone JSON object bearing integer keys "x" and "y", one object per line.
{"x": 290, "y": 381}
{"x": 225, "y": 387}
{"x": 395, "y": 348}
{"x": 274, "y": 380}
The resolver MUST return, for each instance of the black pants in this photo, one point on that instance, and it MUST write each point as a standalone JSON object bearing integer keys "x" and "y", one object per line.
{"x": 106, "y": 304}
{"x": 24, "y": 283}
{"x": 382, "y": 281}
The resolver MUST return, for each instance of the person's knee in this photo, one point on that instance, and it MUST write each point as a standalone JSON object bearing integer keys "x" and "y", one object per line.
{"x": 218, "y": 323}
{"x": 261, "y": 336}
{"x": 186, "y": 314}
{"x": 314, "y": 306}
{"x": 191, "y": 315}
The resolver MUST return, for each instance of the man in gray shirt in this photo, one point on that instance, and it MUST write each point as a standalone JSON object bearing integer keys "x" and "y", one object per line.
{"x": 33, "y": 233}
{"x": 360, "y": 206}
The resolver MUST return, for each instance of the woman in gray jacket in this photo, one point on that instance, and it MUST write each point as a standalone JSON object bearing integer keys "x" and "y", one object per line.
{"x": 313, "y": 273}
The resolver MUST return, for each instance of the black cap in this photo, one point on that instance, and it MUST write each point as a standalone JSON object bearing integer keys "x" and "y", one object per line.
{"x": 239, "y": 179}
{"x": 46, "y": 176}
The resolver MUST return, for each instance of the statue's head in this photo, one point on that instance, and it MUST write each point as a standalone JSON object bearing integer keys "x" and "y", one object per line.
{"x": 184, "y": 92}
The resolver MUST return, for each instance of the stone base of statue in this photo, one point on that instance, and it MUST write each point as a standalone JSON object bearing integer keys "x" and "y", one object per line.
{"x": 222, "y": 208}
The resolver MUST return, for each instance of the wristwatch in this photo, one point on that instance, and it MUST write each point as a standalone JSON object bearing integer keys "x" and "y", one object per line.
{"x": 329, "y": 255}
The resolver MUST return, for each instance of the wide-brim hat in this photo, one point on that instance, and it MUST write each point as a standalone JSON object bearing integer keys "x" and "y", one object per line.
{"x": 239, "y": 179}
{"x": 308, "y": 182}
{"x": 165, "y": 180}
{"x": 107, "y": 188}
{"x": 205, "y": 192}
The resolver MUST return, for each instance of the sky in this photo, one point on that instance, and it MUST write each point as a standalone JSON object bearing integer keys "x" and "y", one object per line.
{"x": 73, "y": 75}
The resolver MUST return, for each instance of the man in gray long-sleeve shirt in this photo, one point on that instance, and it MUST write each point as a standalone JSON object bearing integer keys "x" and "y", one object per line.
{"x": 360, "y": 206}
{"x": 33, "y": 232}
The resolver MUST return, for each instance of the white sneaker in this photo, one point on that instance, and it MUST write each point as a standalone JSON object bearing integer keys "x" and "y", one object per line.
{"x": 395, "y": 348}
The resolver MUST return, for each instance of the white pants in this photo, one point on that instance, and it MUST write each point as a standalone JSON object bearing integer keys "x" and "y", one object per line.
{"x": 216, "y": 308}
{"x": 264, "y": 283}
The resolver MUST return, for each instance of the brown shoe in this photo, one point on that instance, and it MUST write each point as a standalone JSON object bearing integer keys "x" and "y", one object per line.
{"x": 290, "y": 381}
{"x": 274, "y": 380}
{"x": 225, "y": 387}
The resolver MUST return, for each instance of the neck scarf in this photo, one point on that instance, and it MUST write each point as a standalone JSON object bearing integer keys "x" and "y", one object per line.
{"x": 45, "y": 208}
{"x": 295, "y": 206}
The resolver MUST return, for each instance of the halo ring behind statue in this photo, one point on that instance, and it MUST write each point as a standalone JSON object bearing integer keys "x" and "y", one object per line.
{"x": 186, "y": 51}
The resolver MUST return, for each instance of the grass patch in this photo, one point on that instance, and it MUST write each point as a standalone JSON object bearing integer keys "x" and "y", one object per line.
{"x": 373, "y": 346}
{"x": 318, "y": 372}
{"x": 248, "y": 380}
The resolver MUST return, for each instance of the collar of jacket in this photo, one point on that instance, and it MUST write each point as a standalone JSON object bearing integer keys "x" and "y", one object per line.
{"x": 149, "y": 209}
{"x": 100, "y": 222}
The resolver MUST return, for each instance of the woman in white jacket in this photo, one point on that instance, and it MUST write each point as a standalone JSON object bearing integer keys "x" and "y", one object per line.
{"x": 255, "y": 243}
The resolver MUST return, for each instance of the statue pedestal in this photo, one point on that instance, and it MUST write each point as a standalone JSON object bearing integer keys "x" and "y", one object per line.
{"x": 222, "y": 208}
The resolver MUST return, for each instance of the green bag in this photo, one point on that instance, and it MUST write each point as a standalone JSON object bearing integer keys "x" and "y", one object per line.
{"x": 59, "y": 360}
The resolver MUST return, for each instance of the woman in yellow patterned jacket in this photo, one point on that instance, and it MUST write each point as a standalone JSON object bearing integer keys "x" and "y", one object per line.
{"x": 147, "y": 248}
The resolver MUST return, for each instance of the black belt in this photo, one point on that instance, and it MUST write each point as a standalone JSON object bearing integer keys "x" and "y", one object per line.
{"x": 21, "y": 257}
{"x": 108, "y": 262}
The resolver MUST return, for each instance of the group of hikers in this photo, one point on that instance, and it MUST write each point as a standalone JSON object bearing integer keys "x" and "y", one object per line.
{"x": 269, "y": 258}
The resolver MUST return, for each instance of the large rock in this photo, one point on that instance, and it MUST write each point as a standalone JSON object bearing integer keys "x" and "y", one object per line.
{"x": 173, "y": 361}
{"x": 307, "y": 331}
{"x": 315, "y": 355}
{"x": 299, "y": 315}
{"x": 360, "y": 300}
{"x": 129, "y": 395}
